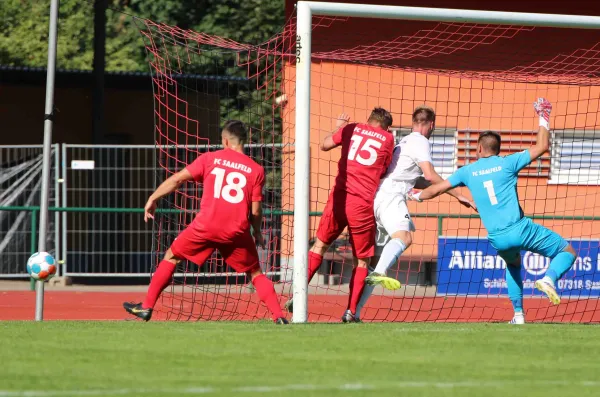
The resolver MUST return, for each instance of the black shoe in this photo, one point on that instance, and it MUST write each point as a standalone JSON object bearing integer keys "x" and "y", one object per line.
{"x": 137, "y": 310}
{"x": 348, "y": 317}
{"x": 281, "y": 321}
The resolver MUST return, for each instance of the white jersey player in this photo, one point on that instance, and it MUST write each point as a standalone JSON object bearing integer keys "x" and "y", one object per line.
{"x": 411, "y": 167}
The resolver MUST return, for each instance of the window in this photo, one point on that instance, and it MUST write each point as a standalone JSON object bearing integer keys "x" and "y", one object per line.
{"x": 575, "y": 158}
{"x": 443, "y": 148}
{"x": 512, "y": 142}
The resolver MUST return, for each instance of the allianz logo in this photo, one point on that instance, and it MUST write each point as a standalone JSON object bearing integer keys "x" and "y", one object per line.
{"x": 535, "y": 264}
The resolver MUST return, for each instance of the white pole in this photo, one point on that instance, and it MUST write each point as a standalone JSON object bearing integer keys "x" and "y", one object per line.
{"x": 452, "y": 15}
{"x": 48, "y": 116}
{"x": 302, "y": 167}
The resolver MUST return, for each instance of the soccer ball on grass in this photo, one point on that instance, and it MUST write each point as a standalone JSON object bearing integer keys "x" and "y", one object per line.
{"x": 41, "y": 266}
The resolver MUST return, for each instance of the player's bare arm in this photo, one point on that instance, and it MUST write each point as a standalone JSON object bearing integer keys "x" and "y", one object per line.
{"x": 256, "y": 222}
{"x": 328, "y": 143}
{"x": 542, "y": 141}
{"x": 171, "y": 184}
{"x": 435, "y": 190}
{"x": 431, "y": 177}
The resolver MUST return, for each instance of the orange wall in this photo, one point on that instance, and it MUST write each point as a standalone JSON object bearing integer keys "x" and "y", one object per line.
{"x": 460, "y": 103}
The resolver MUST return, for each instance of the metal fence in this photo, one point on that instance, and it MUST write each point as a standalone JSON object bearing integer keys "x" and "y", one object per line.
{"x": 103, "y": 242}
{"x": 97, "y": 197}
{"x": 96, "y": 227}
{"x": 20, "y": 178}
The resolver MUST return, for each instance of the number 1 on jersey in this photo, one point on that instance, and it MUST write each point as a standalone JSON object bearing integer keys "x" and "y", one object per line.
{"x": 225, "y": 191}
{"x": 489, "y": 186}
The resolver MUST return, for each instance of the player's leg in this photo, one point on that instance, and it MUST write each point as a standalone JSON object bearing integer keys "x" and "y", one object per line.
{"x": 187, "y": 246}
{"x": 381, "y": 239}
{"x": 362, "y": 229}
{"x": 360, "y": 270}
{"x": 242, "y": 256}
{"x": 332, "y": 223}
{"x": 545, "y": 242}
{"x": 508, "y": 243}
{"x": 315, "y": 256}
{"x": 396, "y": 220}
{"x": 561, "y": 264}
{"x": 514, "y": 283}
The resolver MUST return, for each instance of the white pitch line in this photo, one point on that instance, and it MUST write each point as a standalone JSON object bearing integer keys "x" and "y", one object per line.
{"x": 349, "y": 387}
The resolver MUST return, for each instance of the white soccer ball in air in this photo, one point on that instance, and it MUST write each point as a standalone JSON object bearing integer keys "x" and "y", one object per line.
{"x": 281, "y": 100}
{"x": 41, "y": 266}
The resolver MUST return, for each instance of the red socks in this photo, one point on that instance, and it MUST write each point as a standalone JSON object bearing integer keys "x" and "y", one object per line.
{"x": 160, "y": 280}
{"x": 357, "y": 285}
{"x": 314, "y": 263}
{"x": 266, "y": 293}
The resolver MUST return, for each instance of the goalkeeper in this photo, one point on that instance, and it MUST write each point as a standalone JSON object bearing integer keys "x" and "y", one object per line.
{"x": 492, "y": 180}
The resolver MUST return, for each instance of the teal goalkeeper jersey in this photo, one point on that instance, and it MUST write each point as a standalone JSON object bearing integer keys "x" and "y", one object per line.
{"x": 493, "y": 185}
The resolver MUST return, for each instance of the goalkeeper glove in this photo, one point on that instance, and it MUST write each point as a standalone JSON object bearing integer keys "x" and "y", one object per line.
{"x": 543, "y": 108}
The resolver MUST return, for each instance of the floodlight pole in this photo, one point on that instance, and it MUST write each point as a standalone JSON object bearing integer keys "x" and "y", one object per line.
{"x": 48, "y": 118}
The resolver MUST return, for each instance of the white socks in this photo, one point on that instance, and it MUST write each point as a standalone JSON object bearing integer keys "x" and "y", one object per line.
{"x": 391, "y": 252}
{"x": 548, "y": 280}
{"x": 366, "y": 294}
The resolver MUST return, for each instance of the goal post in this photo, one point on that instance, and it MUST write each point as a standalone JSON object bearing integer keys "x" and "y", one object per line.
{"x": 305, "y": 13}
{"x": 479, "y": 71}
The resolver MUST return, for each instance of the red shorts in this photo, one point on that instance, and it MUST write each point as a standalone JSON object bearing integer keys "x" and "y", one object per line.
{"x": 197, "y": 246}
{"x": 357, "y": 213}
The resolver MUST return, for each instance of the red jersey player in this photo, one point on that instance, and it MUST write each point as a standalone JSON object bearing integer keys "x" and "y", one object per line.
{"x": 231, "y": 201}
{"x": 366, "y": 154}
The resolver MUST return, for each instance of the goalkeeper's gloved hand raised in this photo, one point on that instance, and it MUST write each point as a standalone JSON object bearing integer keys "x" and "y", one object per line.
{"x": 543, "y": 107}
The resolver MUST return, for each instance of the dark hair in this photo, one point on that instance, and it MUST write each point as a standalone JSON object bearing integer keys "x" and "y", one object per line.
{"x": 382, "y": 116}
{"x": 237, "y": 129}
{"x": 490, "y": 140}
{"x": 423, "y": 114}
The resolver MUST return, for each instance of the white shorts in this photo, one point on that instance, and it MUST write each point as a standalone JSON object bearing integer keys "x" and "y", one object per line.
{"x": 391, "y": 215}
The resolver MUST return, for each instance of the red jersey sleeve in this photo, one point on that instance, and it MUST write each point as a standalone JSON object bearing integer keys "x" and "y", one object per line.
{"x": 197, "y": 168}
{"x": 258, "y": 186}
{"x": 342, "y": 132}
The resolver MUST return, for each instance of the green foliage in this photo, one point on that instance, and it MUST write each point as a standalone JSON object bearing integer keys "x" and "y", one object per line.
{"x": 248, "y": 21}
{"x": 24, "y": 29}
{"x": 24, "y": 36}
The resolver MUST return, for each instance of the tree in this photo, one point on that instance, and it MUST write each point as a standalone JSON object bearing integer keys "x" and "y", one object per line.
{"x": 24, "y": 31}
{"x": 24, "y": 34}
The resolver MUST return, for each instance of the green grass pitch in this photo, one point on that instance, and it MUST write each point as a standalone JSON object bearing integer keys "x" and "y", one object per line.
{"x": 246, "y": 359}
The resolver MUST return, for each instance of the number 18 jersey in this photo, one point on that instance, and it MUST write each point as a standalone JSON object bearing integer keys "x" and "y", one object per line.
{"x": 231, "y": 182}
{"x": 366, "y": 154}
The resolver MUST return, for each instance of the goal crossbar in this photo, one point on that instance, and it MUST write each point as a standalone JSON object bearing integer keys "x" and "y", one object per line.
{"x": 305, "y": 12}
{"x": 450, "y": 15}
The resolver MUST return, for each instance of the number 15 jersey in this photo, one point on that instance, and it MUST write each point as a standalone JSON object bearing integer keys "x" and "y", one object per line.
{"x": 366, "y": 154}
{"x": 231, "y": 182}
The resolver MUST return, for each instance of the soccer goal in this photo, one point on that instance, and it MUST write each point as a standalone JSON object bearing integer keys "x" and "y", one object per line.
{"x": 479, "y": 70}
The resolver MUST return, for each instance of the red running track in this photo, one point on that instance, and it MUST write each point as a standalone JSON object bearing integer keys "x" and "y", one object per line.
{"x": 79, "y": 305}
